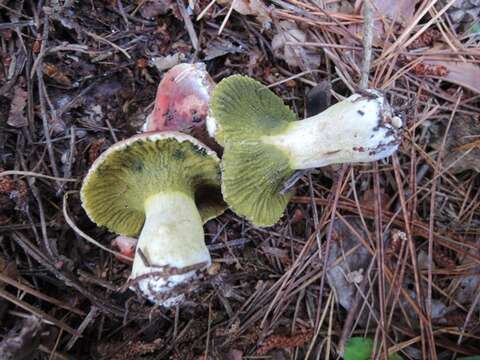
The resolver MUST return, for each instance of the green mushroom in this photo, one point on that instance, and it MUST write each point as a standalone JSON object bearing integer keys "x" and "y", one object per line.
{"x": 264, "y": 144}
{"x": 161, "y": 186}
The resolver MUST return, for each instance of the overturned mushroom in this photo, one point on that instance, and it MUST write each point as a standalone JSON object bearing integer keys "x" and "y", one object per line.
{"x": 181, "y": 103}
{"x": 264, "y": 145}
{"x": 162, "y": 186}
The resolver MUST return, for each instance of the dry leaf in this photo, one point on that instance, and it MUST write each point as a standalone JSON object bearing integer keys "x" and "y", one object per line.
{"x": 337, "y": 274}
{"x": 468, "y": 286}
{"x": 400, "y": 11}
{"x": 234, "y": 355}
{"x": 386, "y": 11}
{"x": 255, "y": 8}
{"x": 17, "y": 118}
{"x": 461, "y": 149}
{"x": 22, "y": 342}
{"x": 152, "y": 9}
{"x": 294, "y": 55}
{"x": 460, "y": 73}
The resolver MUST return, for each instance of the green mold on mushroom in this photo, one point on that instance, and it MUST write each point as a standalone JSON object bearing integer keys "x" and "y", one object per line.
{"x": 264, "y": 143}
{"x": 162, "y": 187}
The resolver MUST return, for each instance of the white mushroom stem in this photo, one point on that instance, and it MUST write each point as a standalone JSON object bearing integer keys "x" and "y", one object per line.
{"x": 358, "y": 129}
{"x": 172, "y": 238}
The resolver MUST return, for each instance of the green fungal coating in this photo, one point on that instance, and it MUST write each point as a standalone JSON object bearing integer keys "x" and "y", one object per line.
{"x": 253, "y": 172}
{"x": 128, "y": 173}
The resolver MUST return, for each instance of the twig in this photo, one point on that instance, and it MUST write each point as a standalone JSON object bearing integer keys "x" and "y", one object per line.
{"x": 34, "y": 174}
{"x": 43, "y": 107}
{"x": 39, "y": 295}
{"x": 188, "y": 25}
{"x": 367, "y": 42}
{"x": 82, "y": 234}
{"x": 92, "y": 314}
{"x": 115, "y": 46}
{"x": 229, "y": 13}
{"x": 37, "y": 312}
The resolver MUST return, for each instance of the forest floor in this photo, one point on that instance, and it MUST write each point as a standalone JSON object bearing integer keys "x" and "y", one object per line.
{"x": 78, "y": 76}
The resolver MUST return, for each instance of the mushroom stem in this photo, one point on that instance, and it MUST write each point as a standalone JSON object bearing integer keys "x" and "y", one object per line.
{"x": 172, "y": 239}
{"x": 357, "y": 129}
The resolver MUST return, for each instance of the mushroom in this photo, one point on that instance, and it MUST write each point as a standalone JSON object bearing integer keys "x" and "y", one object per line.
{"x": 181, "y": 103}
{"x": 163, "y": 186}
{"x": 264, "y": 145}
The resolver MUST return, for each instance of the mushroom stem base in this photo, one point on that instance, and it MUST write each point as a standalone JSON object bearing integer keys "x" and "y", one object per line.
{"x": 170, "y": 246}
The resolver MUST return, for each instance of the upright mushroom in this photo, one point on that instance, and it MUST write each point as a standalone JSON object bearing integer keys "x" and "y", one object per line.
{"x": 264, "y": 145}
{"x": 162, "y": 186}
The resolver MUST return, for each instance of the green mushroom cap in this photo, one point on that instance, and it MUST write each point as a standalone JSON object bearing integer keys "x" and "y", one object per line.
{"x": 254, "y": 172}
{"x": 121, "y": 180}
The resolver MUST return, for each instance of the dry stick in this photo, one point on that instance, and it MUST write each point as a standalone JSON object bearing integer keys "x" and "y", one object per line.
{"x": 317, "y": 331}
{"x": 380, "y": 257}
{"x": 39, "y": 295}
{"x": 406, "y": 33}
{"x": 353, "y": 313}
{"x": 115, "y": 46}
{"x": 476, "y": 301}
{"x": 428, "y": 302}
{"x": 43, "y": 226}
{"x": 34, "y": 174}
{"x": 413, "y": 253}
{"x": 67, "y": 278}
{"x": 388, "y": 272}
{"x": 204, "y": 11}
{"x": 92, "y": 314}
{"x": 43, "y": 107}
{"x": 367, "y": 42}
{"x": 82, "y": 234}
{"x": 189, "y": 25}
{"x": 338, "y": 191}
{"x": 224, "y": 22}
{"x": 37, "y": 312}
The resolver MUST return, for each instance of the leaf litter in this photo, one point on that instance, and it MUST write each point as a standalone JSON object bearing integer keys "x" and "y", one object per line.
{"x": 88, "y": 78}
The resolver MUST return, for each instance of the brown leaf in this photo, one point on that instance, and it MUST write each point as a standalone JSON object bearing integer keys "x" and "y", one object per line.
{"x": 17, "y": 118}
{"x": 235, "y": 355}
{"x": 21, "y": 343}
{"x": 400, "y": 11}
{"x": 340, "y": 265}
{"x": 386, "y": 11}
{"x": 154, "y": 8}
{"x": 461, "y": 147}
{"x": 286, "y": 45}
{"x": 460, "y": 73}
{"x": 255, "y": 8}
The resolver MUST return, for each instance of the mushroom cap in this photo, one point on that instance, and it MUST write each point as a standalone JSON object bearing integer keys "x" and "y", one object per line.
{"x": 125, "y": 175}
{"x": 253, "y": 173}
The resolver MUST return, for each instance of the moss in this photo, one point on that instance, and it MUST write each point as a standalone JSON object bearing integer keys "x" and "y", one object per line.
{"x": 115, "y": 193}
